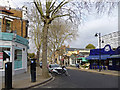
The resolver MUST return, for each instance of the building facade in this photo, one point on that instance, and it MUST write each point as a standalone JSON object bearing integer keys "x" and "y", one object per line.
{"x": 113, "y": 39}
{"x": 14, "y": 21}
{"x": 73, "y": 54}
{"x": 13, "y": 42}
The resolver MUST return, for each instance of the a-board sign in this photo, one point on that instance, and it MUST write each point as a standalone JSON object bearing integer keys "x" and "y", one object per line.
{"x": 1, "y": 59}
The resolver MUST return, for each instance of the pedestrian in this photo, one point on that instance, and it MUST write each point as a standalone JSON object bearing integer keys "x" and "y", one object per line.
{"x": 64, "y": 70}
{"x": 77, "y": 65}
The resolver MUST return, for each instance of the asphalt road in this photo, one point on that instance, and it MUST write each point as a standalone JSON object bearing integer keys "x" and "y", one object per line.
{"x": 82, "y": 79}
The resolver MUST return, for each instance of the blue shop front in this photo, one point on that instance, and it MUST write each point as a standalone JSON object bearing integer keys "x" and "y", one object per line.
{"x": 104, "y": 58}
{"x": 114, "y": 60}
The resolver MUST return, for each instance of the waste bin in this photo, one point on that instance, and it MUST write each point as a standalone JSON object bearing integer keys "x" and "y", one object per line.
{"x": 33, "y": 70}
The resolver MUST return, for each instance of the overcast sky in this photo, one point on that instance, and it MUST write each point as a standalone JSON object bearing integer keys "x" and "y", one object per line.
{"x": 94, "y": 23}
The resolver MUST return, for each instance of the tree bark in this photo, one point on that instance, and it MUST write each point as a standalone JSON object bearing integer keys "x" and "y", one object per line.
{"x": 45, "y": 73}
{"x": 38, "y": 55}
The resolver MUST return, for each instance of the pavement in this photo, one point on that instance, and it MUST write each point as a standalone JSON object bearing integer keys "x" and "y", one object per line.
{"x": 106, "y": 72}
{"x": 23, "y": 81}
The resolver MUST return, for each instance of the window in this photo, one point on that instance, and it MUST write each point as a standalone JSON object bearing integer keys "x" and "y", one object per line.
{"x": 2, "y": 62}
{"x": 110, "y": 62}
{"x": 18, "y": 59}
{"x": 8, "y": 26}
{"x": 0, "y": 24}
{"x": 117, "y": 62}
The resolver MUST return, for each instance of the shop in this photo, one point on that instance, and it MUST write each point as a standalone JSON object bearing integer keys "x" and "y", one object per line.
{"x": 16, "y": 48}
{"x": 81, "y": 60}
{"x": 100, "y": 58}
{"x": 114, "y": 61}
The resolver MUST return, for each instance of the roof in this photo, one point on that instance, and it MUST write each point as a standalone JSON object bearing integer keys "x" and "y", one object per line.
{"x": 103, "y": 51}
{"x": 75, "y": 49}
{"x": 3, "y": 9}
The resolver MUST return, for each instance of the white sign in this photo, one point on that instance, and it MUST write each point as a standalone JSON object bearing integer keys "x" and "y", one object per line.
{"x": 107, "y": 48}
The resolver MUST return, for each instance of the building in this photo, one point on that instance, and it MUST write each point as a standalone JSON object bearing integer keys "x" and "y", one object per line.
{"x": 14, "y": 21}
{"x": 113, "y": 39}
{"x": 75, "y": 55}
{"x": 13, "y": 42}
{"x": 104, "y": 58}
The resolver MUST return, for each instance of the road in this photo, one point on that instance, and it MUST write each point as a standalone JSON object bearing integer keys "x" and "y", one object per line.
{"x": 82, "y": 79}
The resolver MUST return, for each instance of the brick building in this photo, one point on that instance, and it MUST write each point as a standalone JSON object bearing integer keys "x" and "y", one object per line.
{"x": 14, "y": 21}
{"x": 13, "y": 42}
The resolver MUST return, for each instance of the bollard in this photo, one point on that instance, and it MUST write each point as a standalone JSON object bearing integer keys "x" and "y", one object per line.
{"x": 8, "y": 75}
{"x": 33, "y": 70}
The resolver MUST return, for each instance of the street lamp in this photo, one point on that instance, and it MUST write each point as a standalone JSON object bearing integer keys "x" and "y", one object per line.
{"x": 99, "y": 60}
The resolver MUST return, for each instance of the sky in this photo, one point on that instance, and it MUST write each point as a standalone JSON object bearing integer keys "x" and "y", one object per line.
{"x": 104, "y": 24}
{"x": 94, "y": 23}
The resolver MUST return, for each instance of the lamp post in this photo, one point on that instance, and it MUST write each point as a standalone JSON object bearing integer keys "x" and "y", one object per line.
{"x": 99, "y": 60}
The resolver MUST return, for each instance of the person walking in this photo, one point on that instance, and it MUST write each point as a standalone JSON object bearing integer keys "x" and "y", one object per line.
{"x": 77, "y": 65}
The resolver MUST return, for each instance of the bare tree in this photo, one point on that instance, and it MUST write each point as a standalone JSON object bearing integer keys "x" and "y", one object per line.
{"x": 36, "y": 30}
{"x": 54, "y": 9}
{"x": 47, "y": 17}
{"x": 59, "y": 32}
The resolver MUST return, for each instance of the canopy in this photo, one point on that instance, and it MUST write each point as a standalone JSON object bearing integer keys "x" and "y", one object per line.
{"x": 97, "y": 57}
{"x": 115, "y": 56}
{"x": 83, "y": 59}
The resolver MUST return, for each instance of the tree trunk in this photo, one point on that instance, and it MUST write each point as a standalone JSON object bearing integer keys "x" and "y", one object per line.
{"x": 45, "y": 72}
{"x": 38, "y": 55}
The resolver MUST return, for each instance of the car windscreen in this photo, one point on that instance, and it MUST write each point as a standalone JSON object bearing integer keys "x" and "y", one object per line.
{"x": 52, "y": 66}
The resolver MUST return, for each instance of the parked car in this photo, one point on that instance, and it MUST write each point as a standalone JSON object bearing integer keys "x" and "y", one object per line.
{"x": 57, "y": 69}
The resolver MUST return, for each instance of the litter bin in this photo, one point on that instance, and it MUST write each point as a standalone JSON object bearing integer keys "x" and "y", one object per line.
{"x": 33, "y": 70}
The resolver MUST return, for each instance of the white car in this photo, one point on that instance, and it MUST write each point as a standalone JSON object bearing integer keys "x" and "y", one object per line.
{"x": 57, "y": 69}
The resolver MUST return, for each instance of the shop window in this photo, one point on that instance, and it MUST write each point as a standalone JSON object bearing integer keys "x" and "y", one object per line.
{"x": 8, "y": 26}
{"x": 117, "y": 62}
{"x": 2, "y": 62}
{"x": 110, "y": 62}
{"x": 18, "y": 59}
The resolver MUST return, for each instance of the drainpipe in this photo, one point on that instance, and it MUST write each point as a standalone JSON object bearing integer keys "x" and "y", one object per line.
{"x": 21, "y": 27}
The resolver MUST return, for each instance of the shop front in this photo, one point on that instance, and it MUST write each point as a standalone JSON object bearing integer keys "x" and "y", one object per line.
{"x": 99, "y": 58}
{"x": 114, "y": 61}
{"x": 15, "y": 47}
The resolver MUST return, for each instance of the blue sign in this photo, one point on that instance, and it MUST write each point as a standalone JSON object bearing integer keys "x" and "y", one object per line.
{"x": 103, "y": 51}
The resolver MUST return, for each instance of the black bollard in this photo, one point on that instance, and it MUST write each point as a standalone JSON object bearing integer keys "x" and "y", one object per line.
{"x": 8, "y": 75}
{"x": 33, "y": 70}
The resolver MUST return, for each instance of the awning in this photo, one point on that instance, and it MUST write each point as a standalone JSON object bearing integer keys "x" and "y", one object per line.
{"x": 115, "y": 56}
{"x": 83, "y": 59}
{"x": 97, "y": 57}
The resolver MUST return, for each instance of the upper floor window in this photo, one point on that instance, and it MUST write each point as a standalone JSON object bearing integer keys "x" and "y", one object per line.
{"x": 8, "y": 26}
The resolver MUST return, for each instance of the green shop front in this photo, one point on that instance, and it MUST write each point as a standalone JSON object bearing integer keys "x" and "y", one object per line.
{"x": 77, "y": 59}
{"x": 16, "y": 48}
